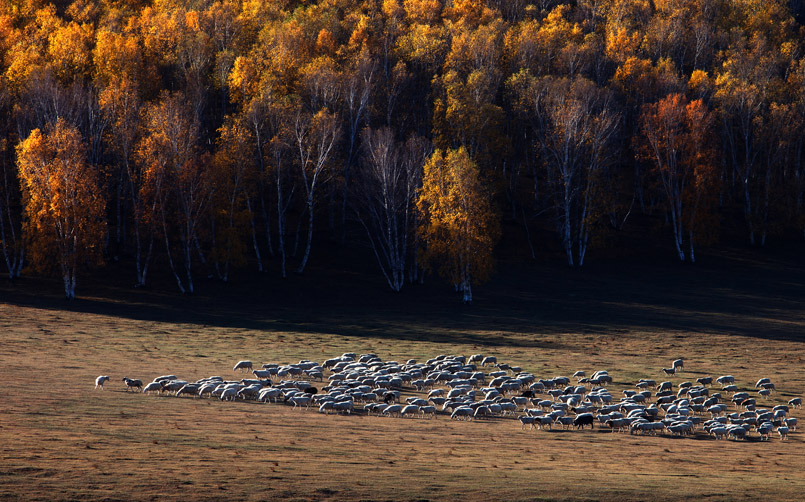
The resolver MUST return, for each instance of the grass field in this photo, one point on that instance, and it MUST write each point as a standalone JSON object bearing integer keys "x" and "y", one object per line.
{"x": 731, "y": 314}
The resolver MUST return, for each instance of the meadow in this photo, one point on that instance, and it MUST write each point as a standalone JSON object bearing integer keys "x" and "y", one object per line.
{"x": 63, "y": 440}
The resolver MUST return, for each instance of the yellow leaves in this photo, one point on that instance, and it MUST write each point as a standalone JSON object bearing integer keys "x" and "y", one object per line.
{"x": 116, "y": 56}
{"x": 457, "y": 221}
{"x": 422, "y": 11}
{"x": 622, "y": 45}
{"x": 243, "y": 80}
{"x": 423, "y": 44}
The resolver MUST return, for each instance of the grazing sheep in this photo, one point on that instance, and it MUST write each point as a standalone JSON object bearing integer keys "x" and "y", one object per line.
{"x": 133, "y": 384}
{"x": 243, "y": 365}
{"x": 430, "y": 411}
{"x": 462, "y": 413}
{"x": 153, "y": 386}
{"x": 783, "y": 432}
{"x": 100, "y": 381}
{"x": 490, "y": 360}
{"x": 411, "y": 409}
{"x": 796, "y": 402}
{"x": 669, "y": 371}
{"x": 718, "y": 432}
{"x": 263, "y": 374}
{"x": 725, "y": 380}
{"x": 229, "y": 394}
{"x": 705, "y": 381}
{"x": 791, "y": 423}
{"x": 678, "y": 364}
{"x": 527, "y": 420}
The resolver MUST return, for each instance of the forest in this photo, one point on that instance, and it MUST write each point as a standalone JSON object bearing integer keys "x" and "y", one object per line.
{"x": 197, "y": 137}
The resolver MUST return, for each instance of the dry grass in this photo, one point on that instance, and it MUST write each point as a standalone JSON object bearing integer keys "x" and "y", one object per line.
{"x": 63, "y": 440}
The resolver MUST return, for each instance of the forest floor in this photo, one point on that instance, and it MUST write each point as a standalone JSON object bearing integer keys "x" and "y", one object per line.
{"x": 732, "y": 313}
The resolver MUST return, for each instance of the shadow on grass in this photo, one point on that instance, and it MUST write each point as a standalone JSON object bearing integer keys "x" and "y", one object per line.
{"x": 527, "y": 305}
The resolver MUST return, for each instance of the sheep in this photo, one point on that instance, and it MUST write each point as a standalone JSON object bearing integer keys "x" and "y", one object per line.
{"x": 764, "y": 393}
{"x": 229, "y": 394}
{"x": 791, "y": 423}
{"x": 490, "y": 360}
{"x": 725, "y": 380}
{"x": 100, "y": 381}
{"x": 428, "y": 410}
{"x": 393, "y": 409}
{"x": 462, "y": 413}
{"x": 543, "y": 421}
{"x": 718, "y": 432}
{"x": 705, "y": 381}
{"x": 133, "y": 383}
{"x": 565, "y": 422}
{"x": 678, "y": 364}
{"x": 482, "y": 411}
{"x": 765, "y": 430}
{"x": 476, "y": 358}
{"x": 669, "y": 371}
{"x": 300, "y": 401}
{"x": 584, "y": 419}
{"x": 262, "y": 374}
{"x": 783, "y": 432}
{"x": 411, "y": 409}
{"x": 243, "y": 365}
{"x": 153, "y": 386}
{"x": 527, "y": 420}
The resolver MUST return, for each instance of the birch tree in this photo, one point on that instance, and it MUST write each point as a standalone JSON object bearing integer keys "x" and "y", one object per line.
{"x": 384, "y": 200}
{"x": 457, "y": 223}
{"x": 678, "y": 140}
{"x": 315, "y": 137}
{"x": 63, "y": 202}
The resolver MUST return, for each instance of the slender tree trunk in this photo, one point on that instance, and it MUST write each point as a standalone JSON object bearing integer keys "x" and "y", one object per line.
{"x": 254, "y": 235}
{"x": 170, "y": 257}
{"x": 566, "y": 230}
{"x": 309, "y": 234}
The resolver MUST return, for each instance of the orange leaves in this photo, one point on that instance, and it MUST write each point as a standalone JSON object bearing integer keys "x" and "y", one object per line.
{"x": 64, "y": 203}
{"x": 678, "y": 140}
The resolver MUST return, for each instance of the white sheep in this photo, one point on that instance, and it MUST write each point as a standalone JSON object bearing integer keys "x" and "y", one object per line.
{"x": 489, "y": 360}
{"x": 301, "y": 400}
{"x": 243, "y": 365}
{"x": 430, "y": 411}
{"x": 791, "y": 423}
{"x": 411, "y": 409}
{"x": 783, "y": 432}
{"x": 153, "y": 386}
{"x": 725, "y": 380}
{"x": 394, "y": 409}
{"x": 527, "y": 420}
{"x": 100, "y": 381}
{"x": 796, "y": 402}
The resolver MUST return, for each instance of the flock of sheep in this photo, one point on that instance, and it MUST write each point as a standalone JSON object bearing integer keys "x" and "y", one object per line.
{"x": 462, "y": 387}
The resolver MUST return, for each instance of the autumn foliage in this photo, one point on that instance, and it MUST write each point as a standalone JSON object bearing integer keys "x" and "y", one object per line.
{"x": 458, "y": 223}
{"x": 64, "y": 204}
{"x": 220, "y": 134}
